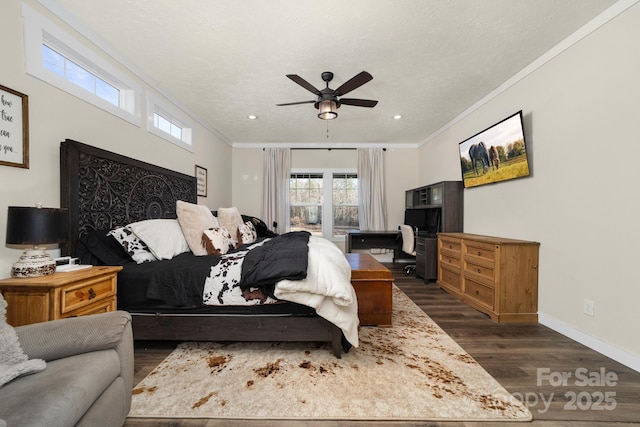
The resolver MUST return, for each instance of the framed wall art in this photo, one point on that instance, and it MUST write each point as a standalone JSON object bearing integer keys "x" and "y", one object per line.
{"x": 201, "y": 181}
{"x": 14, "y": 128}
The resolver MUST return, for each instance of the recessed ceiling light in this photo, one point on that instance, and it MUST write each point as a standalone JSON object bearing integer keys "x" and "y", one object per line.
{"x": 252, "y": 117}
{"x": 397, "y": 117}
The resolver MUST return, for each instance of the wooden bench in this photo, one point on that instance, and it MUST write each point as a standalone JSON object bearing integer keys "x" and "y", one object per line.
{"x": 372, "y": 282}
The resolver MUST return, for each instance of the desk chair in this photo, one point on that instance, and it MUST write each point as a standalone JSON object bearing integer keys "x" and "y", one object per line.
{"x": 408, "y": 246}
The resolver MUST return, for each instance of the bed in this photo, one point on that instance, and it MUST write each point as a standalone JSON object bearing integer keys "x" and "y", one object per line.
{"x": 103, "y": 191}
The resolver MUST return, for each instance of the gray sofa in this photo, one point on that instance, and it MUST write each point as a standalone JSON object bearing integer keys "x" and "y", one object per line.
{"x": 88, "y": 377}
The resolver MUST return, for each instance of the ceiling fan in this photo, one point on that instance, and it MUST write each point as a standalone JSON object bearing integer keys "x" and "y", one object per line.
{"x": 329, "y": 100}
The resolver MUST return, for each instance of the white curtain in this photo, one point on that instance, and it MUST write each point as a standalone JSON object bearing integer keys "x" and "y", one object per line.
{"x": 372, "y": 209}
{"x": 275, "y": 193}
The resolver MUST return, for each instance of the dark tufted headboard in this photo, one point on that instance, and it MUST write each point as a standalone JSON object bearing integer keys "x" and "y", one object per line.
{"x": 103, "y": 190}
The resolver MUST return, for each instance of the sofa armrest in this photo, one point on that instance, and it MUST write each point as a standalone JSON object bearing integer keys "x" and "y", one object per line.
{"x": 66, "y": 337}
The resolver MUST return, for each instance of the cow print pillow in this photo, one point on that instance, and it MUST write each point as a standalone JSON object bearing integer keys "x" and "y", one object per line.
{"x": 217, "y": 241}
{"x": 136, "y": 248}
{"x": 247, "y": 233}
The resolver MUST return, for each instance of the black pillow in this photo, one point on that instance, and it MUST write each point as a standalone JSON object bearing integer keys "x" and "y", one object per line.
{"x": 96, "y": 248}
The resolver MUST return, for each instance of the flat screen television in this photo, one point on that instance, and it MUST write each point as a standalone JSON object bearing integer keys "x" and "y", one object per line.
{"x": 498, "y": 153}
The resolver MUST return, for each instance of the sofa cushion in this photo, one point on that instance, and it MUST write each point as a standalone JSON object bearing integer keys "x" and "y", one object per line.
{"x": 13, "y": 360}
{"x": 61, "y": 394}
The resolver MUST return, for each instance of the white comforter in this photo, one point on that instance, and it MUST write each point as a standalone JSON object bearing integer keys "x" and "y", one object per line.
{"x": 327, "y": 287}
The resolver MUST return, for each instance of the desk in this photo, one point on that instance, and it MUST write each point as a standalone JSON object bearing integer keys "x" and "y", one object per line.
{"x": 358, "y": 239}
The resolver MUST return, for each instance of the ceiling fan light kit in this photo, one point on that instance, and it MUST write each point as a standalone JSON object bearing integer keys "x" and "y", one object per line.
{"x": 328, "y": 100}
{"x": 327, "y": 110}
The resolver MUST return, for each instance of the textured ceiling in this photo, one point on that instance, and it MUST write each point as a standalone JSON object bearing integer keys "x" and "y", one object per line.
{"x": 430, "y": 59}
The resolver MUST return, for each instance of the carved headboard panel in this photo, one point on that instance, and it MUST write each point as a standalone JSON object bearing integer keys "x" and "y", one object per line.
{"x": 103, "y": 190}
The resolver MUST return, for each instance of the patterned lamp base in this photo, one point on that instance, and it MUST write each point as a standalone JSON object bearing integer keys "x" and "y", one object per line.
{"x": 33, "y": 263}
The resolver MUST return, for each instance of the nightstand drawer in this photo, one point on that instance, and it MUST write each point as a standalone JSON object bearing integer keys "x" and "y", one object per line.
{"x": 101, "y": 306}
{"x": 87, "y": 293}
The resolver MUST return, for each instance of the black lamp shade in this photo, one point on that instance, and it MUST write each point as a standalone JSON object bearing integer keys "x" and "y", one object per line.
{"x": 36, "y": 226}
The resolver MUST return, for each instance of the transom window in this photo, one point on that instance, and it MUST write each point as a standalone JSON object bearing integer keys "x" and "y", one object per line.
{"x": 56, "y": 57}
{"x": 64, "y": 67}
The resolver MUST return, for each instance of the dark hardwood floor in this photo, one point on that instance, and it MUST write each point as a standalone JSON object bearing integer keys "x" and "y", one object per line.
{"x": 526, "y": 359}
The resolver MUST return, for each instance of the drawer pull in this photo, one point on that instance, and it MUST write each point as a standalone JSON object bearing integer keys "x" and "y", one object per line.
{"x": 477, "y": 292}
{"x": 92, "y": 293}
{"x": 479, "y": 253}
{"x": 478, "y": 270}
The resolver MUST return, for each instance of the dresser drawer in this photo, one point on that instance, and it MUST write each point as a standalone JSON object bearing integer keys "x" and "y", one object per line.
{"x": 480, "y": 251}
{"x": 479, "y": 292}
{"x": 482, "y": 273}
{"x": 86, "y": 293}
{"x": 451, "y": 247}
{"x": 449, "y": 260}
{"x": 450, "y": 278}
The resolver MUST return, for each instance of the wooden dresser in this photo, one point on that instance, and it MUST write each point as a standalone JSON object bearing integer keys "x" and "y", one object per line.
{"x": 59, "y": 295}
{"x": 495, "y": 275}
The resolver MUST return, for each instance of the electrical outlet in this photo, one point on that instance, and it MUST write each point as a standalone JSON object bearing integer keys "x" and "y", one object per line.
{"x": 589, "y": 308}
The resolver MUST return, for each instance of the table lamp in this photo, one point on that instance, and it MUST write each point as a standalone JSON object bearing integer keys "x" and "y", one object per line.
{"x": 35, "y": 226}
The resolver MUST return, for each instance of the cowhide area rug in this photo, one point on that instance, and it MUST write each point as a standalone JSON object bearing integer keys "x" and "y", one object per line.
{"x": 410, "y": 371}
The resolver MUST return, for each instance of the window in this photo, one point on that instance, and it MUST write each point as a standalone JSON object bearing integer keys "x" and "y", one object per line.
{"x": 169, "y": 122}
{"x": 323, "y": 203}
{"x": 305, "y": 202}
{"x": 64, "y": 67}
{"x": 345, "y": 203}
{"x": 61, "y": 60}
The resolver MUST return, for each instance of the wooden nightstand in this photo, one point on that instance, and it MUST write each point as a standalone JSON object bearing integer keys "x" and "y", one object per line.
{"x": 59, "y": 295}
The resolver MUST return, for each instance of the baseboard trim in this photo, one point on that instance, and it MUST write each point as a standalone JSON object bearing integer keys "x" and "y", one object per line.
{"x": 615, "y": 353}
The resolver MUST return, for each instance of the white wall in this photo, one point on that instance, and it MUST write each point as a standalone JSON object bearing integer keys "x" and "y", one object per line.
{"x": 54, "y": 116}
{"x": 581, "y": 113}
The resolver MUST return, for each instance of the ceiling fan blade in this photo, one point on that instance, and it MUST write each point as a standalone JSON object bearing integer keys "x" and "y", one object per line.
{"x": 353, "y": 83}
{"x": 295, "y": 103}
{"x": 305, "y": 84}
{"x": 359, "y": 102}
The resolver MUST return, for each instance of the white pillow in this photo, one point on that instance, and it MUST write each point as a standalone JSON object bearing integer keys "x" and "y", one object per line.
{"x": 163, "y": 237}
{"x": 193, "y": 220}
{"x": 230, "y": 219}
{"x": 217, "y": 240}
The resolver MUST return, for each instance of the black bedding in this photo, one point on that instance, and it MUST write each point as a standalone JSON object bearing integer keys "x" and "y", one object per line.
{"x": 177, "y": 285}
{"x": 282, "y": 257}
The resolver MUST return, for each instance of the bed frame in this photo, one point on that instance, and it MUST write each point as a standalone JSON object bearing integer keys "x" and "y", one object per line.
{"x": 102, "y": 190}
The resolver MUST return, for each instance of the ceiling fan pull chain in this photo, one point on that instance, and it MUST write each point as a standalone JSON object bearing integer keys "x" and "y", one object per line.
{"x": 327, "y": 129}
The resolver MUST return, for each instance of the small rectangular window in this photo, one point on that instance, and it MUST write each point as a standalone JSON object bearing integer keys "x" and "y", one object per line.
{"x": 66, "y": 68}
{"x": 56, "y": 57}
{"x": 168, "y": 122}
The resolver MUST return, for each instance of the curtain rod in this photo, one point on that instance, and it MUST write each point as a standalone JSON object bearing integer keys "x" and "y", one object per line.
{"x": 328, "y": 149}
